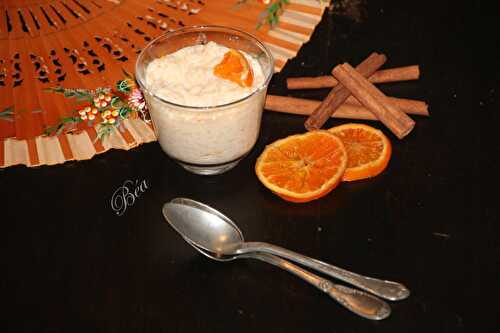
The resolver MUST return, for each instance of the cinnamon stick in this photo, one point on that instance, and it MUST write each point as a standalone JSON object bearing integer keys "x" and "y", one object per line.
{"x": 397, "y": 74}
{"x": 352, "y": 109}
{"x": 339, "y": 94}
{"x": 374, "y": 100}
{"x": 409, "y": 106}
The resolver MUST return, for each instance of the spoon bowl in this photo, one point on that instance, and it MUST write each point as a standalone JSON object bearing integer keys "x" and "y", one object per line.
{"x": 202, "y": 225}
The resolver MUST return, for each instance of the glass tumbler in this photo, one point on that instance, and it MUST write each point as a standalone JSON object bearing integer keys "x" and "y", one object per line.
{"x": 213, "y": 139}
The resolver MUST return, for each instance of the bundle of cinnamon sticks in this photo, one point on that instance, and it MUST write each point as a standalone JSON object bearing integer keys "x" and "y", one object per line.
{"x": 354, "y": 96}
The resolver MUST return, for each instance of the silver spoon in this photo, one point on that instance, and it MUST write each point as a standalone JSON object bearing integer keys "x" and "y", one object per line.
{"x": 357, "y": 301}
{"x": 212, "y": 231}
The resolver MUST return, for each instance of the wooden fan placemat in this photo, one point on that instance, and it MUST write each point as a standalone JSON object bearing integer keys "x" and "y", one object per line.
{"x": 88, "y": 44}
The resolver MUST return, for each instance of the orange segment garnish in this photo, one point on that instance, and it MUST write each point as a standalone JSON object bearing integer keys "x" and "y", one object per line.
{"x": 302, "y": 167}
{"x": 234, "y": 67}
{"x": 368, "y": 150}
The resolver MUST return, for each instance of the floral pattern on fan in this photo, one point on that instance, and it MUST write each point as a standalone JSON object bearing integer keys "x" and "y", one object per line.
{"x": 105, "y": 107}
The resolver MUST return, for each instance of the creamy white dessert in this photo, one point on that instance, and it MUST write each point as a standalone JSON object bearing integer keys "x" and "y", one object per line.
{"x": 203, "y": 119}
{"x": 186, "y": 77}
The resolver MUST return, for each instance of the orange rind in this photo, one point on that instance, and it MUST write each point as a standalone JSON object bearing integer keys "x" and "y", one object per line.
{"x": 368, "y": 150}
{"x": 235, "y": 67}
{"x": 303, "y": 167}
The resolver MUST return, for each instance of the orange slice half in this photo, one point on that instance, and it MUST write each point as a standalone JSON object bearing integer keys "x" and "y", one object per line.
{"x": 302, "y": 167}
{"x": 368, "y": 150}
{"x": 235, "y": 67}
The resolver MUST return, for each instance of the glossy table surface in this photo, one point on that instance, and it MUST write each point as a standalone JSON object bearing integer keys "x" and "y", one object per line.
{"x": 72, "y": 264}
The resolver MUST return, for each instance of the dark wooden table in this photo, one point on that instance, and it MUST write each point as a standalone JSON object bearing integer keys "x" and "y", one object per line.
{"x": 71, "y": 264}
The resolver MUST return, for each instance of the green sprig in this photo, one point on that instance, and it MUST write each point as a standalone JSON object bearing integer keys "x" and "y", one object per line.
{"x": 79, "y": 94}
{"x": 104, "y": 130}
{"x": 63, "y": 124}
{"x": 7, "y": 114}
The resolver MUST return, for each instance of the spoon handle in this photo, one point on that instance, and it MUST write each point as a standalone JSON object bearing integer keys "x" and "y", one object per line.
{"x": 357, "y": 301}
{"x": 390, "y": 290}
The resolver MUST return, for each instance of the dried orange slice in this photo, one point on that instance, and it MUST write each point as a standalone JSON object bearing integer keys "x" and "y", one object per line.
{"x": 302, "y": 167}
{"x": 368, "y": 150}
{"x": 234, "y": 67}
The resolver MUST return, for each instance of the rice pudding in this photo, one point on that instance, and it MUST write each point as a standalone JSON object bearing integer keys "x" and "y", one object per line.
{"x": 186, "y": 77}
{"x": 203, "y": 119}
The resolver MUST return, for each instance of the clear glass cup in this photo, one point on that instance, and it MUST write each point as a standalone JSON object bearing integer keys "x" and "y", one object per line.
{"x": 206, "y": 140}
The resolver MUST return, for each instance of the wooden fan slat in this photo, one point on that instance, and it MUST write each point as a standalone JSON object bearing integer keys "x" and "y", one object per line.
{"x": 129, "y": 138}
{"x": 305, "y": 8}
{"x": 73, "y": 48}
{"x": 99, "y": 7}
{"x": 92, "y": 133}
{"x": 299, "y": 18}
{"x": 16, "y": 30}
{"x": 310, "y": 3}
{"x": 46, "y": 55}
{"x": 31, "y": 22}
{"x": 191, "y": 9}
{"x": 175, "y": 19}
{"x": 135, "y": 10}
{"x": 101, "y": 28}
{"x": 65, "y": 147}
{"x": 54, "y": 47}
{"x": 15, "y": 152}
{"x": 115, "y": 140}
{"x": 116, "y": 29}
{"x": 25, "y": 99}
{"x": 72, "y": 9}
{"x": 111, "y": 72}
{"x": 125, "y": 24}
{"x": 34, "y": 159}
{"x": 2, "y": 154}
{"x": 125, "y": 58}
{"x": 3, "y": 22}
{"x": 6, "y": 94}
{"x": 7, "y": 129}
{"x": 51, "y": 17}
{"x": 81, "y": 145}
{"x": 52, "y": 13}
{"x": 140, "y": 130}
{"x": 247, "y": 14}
{"x": 53, "y": 106}
{"x": 290, "y": 36}
{"x": 132, "y": 43}
{"x": 281, "y": 55}
{"x": 49, "y": 150}
{"x": 279, "y": 64}
{"x": 295, "y": 28}
{"x": 85, "y": 9}
{"x": 39, "y": 20}
{"x": 65, "y": 16}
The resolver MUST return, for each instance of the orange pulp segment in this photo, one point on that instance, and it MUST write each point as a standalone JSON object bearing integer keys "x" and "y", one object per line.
{"x": 234, "y": 67}
{"x": 302, "y": 167}
{"x": 368, "y": 150}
